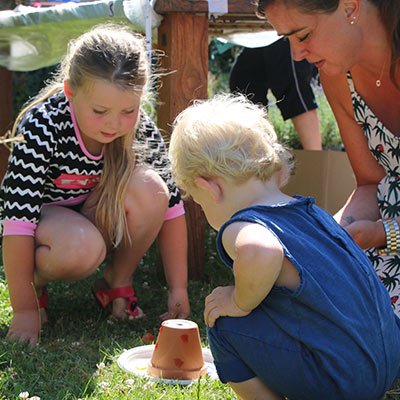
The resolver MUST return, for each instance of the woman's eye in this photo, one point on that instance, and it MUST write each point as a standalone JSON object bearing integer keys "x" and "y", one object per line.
{"x": 129, "y": 112}
{"x": 99, "y": 112}
{"x": 302, "y": 39}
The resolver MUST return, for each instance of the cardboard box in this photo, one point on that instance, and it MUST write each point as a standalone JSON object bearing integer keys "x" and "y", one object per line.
{"x": 325, "y": 175}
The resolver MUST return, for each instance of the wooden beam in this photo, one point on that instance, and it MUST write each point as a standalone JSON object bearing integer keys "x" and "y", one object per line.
{"x": 6, "y": 114}
{"x": 201, "y": 6}
{"x": 183, "y": 37}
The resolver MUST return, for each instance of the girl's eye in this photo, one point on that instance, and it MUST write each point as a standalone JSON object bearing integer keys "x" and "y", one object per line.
{"x": 129, "y": 111}
{"x": 302, "y": 39}
{"x": 99, "y": 112}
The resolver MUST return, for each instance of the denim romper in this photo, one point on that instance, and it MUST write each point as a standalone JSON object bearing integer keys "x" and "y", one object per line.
{"x": 335, "y": 337}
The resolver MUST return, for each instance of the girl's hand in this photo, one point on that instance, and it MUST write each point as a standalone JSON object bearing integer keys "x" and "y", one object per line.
{"x": 221, "y": 303}
{"x": 367, "y": 233}
{"x": 178, "y": 305}
{"x": 25, "y": 327}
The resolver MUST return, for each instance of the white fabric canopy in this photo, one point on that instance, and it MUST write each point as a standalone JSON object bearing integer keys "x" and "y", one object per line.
{"x": 33, "y": 38}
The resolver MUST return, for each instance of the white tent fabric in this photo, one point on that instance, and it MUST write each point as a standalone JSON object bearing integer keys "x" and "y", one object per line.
{"x": 251, "y": 39}
{"x": 33, "y": 38}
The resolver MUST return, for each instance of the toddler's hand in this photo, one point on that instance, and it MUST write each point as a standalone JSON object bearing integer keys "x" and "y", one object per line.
{"x": 178, "y": 305}
{"x": 365, "y": 233}
{"x": 25, "y": 327}
{"x": 220, "y": 303}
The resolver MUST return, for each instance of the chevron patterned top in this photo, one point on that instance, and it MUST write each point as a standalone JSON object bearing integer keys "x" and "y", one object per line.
{"x": 51, "y": 166}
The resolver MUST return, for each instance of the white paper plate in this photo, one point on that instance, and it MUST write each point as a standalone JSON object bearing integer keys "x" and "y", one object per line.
{"x": 135, "y": 361}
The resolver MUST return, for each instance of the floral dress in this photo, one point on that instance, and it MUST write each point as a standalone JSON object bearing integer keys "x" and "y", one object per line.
{"x": 385, "y": 147}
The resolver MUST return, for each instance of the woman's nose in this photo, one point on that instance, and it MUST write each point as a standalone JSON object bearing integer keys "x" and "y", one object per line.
{"x": 299, "y": 51}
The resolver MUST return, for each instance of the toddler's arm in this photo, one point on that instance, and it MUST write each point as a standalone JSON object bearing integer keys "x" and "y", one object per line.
{"x": 18, "y": 258}
{"x": 258, "y": 258}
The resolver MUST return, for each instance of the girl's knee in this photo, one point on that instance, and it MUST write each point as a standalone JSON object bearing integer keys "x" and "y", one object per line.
{"x": 73, "y": 256}
{"x": 146, "y": 191}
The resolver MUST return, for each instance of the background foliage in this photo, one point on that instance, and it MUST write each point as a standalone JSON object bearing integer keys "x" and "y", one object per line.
{"x": 218, "y": 80}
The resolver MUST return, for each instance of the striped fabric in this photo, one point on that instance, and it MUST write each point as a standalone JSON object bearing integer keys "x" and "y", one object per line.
{"x": 50, "y": 166}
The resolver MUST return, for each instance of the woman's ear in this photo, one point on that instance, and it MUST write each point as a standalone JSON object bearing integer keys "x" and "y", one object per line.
{"x": 210, "y": 185}
{"x": 67, "y": 90}
{"x": 352, "y": 10}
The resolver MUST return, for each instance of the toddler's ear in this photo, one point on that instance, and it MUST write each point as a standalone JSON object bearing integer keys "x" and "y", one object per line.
{"x": 211, "y": 185}
{"x": 67, "y": 90}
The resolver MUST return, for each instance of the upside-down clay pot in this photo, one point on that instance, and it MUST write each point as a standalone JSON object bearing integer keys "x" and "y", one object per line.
{"x": 177, "y": 353}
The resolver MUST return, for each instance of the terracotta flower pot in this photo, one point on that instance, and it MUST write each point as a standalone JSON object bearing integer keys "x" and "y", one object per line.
{"x": 177, "y": 353}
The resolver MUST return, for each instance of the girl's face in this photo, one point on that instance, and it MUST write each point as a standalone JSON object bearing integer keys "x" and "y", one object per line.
{"x": 104, "y": 112}
{"x": 328, "y": 41}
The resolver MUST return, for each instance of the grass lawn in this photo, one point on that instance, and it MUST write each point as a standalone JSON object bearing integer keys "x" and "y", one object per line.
{"x": 78, "y": 352}
{"x": 77, "y": 356}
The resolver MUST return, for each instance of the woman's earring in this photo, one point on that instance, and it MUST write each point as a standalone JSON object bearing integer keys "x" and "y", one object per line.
{"x": 353, "y": 20}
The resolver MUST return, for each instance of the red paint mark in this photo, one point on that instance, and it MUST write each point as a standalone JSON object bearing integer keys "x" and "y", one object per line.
{"x": 185, "y": 338}
{"x": 178, "y": 362}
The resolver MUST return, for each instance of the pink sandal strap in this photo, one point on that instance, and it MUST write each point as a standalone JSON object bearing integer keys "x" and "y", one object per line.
{"x": 106, "y": 296}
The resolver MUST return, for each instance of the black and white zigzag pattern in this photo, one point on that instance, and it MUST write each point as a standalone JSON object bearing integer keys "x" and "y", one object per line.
{"x": 51, "y": 149}
{"x": 149, "y": 140}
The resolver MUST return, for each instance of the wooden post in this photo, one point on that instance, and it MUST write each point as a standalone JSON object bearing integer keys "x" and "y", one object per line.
{"x": 6, "y": 100}
{"x": 183, "y": 37}
{"x": 6, "y": 115}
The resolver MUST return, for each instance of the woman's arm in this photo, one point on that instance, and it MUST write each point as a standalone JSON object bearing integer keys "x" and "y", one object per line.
{"x": 351, "y": 211}
{"x": 18, "y": 258}
{"x": 366, "y": 169}
{"x": 172, "y": 242}
{"x": 360, "y": 213}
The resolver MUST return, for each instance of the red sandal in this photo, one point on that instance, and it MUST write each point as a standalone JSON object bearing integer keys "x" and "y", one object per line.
{"x": 43, "y": 305}
{"x": 43, "y": 299}
{"x": 105, "y": 296}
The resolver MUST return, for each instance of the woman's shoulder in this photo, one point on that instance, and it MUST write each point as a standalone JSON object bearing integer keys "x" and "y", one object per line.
{"x": 335, "y": 86}
{"x": 337, "y": 92}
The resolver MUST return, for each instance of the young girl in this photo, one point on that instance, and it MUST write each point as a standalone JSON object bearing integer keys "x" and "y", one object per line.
{"x": 289, "y": 327}
{"x": 84, "y": 185}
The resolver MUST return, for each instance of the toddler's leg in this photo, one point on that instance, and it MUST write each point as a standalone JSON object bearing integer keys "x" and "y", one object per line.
{"x": 146, "y": 204}
{"x": 254, "y": 354}
{"x": 254, "y": 389}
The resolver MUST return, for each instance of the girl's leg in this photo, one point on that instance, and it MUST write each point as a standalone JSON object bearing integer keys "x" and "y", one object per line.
{"x": 69, "y": 246}
{"x": 254, "y": 389}
{"x": 146, "y": 204}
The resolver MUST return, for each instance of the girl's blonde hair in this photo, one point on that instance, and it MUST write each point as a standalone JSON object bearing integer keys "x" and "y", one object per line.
{"x": 227, "y": 136}
{"x": 117, "y": 55}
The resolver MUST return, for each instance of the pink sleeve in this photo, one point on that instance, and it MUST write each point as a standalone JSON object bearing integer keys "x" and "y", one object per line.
{"x": 175, "y": 211}
{"x": 23, "y": 228}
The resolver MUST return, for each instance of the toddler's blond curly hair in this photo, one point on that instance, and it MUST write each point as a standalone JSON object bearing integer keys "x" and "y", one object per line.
{"x": 226, "y": 136}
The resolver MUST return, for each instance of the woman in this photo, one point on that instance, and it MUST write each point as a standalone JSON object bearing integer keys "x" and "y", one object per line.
{"x": 356, "y": 46}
